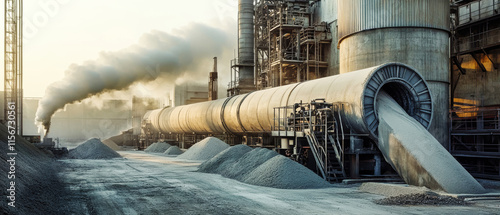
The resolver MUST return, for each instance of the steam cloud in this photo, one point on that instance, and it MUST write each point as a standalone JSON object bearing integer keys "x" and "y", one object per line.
{"x": 157, "y": 54}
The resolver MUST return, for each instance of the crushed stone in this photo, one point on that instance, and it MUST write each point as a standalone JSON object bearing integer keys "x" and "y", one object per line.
{"x": 262, "y": 167}
{"x": 389, "y": 190}
{"x": 248, "y": 162}
{"x": 174, "y": 150}
{"x": 92, "y": 149}
{"x": 282, "y": 172}
{"x": 158, "y": 147}
{"x": 204, "y": 150}
{"x": 421, "y": 199}
{"x": 223, "y": 162}
{"x": 38, "y": 187}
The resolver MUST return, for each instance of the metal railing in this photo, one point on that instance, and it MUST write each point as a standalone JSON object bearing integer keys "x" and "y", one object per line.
{"x": 322, "y": 127}
{"x": 478, "y": 10}
{"x": 479, "y": 41}
{"x": 475, "y": 119}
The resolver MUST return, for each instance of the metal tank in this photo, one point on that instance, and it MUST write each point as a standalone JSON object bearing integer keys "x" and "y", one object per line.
{"x": 246, "y": 42}
{"x": 416, "y": 32}
{"x": 254, "y": 112}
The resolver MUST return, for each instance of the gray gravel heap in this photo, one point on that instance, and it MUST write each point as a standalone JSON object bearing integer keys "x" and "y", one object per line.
{"x": 282, "y": 172}
{"x": 421, "y": 199}
{"x": 223, "y": 162}
{"x": 38, "y": 190}
{"x": 204, "y": 150}
{"x": 262, "y": 167}
{"x": 93, "y": 149}
{"x": 158, "y": 147}
{"x": 174, "y": 150}
{"x": 248, "y": 162}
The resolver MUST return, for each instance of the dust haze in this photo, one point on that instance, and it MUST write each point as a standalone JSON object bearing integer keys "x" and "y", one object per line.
{"x": 183, "y": 54}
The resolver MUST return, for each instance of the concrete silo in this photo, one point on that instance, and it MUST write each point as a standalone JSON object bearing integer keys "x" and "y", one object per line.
{"x": 416, "y": 32}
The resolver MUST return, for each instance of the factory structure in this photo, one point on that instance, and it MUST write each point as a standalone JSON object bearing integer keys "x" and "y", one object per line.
{"x": 306, "y": 83}
{"x": 308, "y": 73}
{"x": 395, "y": 98}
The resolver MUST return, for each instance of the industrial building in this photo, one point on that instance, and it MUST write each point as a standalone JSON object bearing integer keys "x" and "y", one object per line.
{"x": 354, "y": 90}
{"x": 287, "y": 43}
{"x": 452, "y": 44}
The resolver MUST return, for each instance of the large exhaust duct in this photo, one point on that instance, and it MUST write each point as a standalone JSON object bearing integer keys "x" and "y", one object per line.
{"x": 254, "y": 112}
{"x": 357, "y": 92}
{"x": 246, "y": 43}
{"x": 416, "y": 32}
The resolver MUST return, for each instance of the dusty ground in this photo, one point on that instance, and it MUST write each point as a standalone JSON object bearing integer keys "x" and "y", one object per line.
{"x": 153, "y": 184}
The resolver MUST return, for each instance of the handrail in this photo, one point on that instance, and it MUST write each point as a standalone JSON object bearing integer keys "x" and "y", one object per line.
{"x": 479, "y": 13}
{"x": 319, "y": 163}
{"x": 478, "y": 41}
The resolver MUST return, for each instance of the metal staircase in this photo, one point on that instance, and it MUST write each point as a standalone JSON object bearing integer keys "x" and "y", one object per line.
{"x": 322, "y": 134}
{"x": 317, "y": 128}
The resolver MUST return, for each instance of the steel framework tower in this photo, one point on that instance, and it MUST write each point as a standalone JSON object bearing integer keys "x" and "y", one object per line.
{"x": 13, "y": 68}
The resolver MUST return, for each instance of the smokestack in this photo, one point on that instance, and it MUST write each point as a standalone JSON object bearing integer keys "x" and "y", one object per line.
{"x": 246, "y": 43}
{"x": 212, "y": 84}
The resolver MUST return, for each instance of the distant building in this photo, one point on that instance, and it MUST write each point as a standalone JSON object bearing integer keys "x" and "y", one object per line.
{"x": 189, "y": 93}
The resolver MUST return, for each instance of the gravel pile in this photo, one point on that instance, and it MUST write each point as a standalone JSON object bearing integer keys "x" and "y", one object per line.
{"x": 389, "y": 190}
{"x": 224, "y": 161}
{"x": 421, "y": 199}
{"x": 282, "y": 172}
{"x": 38, "y": 188}
{"x": 262, "y": 167}
{"x": 205, "y": 149}
{"x": 93, "y": 149}
{"x": 248, "y": 162}
{"x": 174, "y": 150}
{"x": 158, "y": 147}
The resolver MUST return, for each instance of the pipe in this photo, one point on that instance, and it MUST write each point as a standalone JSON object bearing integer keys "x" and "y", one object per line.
{"x": 254, "y": 112}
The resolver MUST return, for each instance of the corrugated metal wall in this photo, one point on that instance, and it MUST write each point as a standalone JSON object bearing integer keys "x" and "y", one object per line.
{"x": 360, "y": 15}
{"x": 414, "y": 32}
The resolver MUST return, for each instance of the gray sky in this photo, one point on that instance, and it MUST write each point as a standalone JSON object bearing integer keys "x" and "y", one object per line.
{"x": 59, "y": 33}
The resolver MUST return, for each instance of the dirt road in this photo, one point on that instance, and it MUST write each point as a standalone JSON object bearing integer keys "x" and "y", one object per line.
{"x": 152, "y": 184}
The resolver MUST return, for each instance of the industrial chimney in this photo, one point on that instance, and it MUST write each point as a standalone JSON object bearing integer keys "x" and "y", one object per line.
{"x": 243, "y": 67}
{"x": 212, "y": 84}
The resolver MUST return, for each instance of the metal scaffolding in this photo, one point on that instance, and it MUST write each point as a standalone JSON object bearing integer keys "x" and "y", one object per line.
{"x": 475, "y": 131}
{"x": 289, "y": 45}
{"x": 13, "y": 67}
{"x": 475, "y": 140}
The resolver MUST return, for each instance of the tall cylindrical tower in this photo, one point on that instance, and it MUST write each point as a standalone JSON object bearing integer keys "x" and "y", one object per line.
{"x": 416, "y": 32}
{"x": 246, "y": 42}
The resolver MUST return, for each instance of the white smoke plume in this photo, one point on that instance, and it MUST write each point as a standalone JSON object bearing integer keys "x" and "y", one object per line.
{"x": 156, "y": 55}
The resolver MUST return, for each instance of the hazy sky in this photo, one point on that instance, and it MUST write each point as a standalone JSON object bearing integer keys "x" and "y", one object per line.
{"x": 59, "y": 33}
